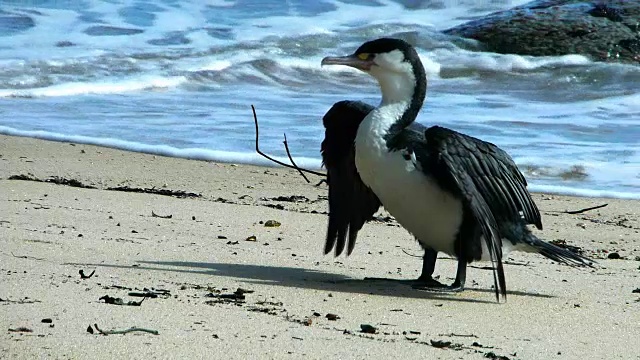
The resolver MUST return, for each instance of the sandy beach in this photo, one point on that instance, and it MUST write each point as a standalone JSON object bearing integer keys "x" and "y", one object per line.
{"x": 222, "y": 282}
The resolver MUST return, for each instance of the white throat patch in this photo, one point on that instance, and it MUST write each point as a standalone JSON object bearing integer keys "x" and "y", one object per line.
{"x": 395, "y": 77}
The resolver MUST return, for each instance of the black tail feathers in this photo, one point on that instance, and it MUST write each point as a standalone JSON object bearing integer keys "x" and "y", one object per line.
{"x": 556, "y": 253}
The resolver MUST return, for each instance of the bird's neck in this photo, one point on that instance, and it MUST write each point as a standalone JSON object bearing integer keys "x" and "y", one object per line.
{"x": 396, "y": 87}
{"x": 402, "y": 96}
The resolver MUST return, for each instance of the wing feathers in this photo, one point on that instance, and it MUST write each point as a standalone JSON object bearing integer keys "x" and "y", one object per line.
{"x": 490, "y": 184}
{"x": 351, "y": 202}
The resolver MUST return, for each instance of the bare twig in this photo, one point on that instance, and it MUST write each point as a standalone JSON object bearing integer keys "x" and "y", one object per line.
{"x": 286, "y": 147}
{"x": 459, "y": 335}
{"x": 118, "y": 301}
{"x": 153, "y": 214}
{"x": 585, "y": 209}
{"x": 507, "y": 262}
{"x": 405, "y": 251}
{"x": 255, "y": 121}
{"x": 26, "y": 257}
{"x": 23, "y": 301}
{"x": 132, "y": 329}
{"x": 20, "y": 329}
{"x": 84, "y": 276}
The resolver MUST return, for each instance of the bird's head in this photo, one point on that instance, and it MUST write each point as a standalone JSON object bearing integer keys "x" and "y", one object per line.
{"x": 393, "y": 62}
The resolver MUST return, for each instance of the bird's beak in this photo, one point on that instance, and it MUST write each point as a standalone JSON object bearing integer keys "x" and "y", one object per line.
{"x": 349, "y": 60}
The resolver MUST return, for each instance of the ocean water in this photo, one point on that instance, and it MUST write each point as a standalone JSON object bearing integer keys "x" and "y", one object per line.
{"x": 177, "y": 78}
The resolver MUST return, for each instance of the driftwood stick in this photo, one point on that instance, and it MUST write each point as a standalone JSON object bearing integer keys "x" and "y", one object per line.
{"x": 286, "y": 147}
{"x": 112, "y": 332}
{"x": 585, "y": 209}
{"x": 255, "y": 121}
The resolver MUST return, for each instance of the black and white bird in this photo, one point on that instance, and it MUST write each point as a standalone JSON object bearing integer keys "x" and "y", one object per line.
{"x": 455, "y": 193}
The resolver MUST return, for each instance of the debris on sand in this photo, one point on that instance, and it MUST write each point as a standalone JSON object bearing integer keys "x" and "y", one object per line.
{"x": 272, "y": 223}
{"x": 440, "y": 344}
{"x": 237, "y": 297}
{"x": 121, "y": 332}
{"x": 118, "y": 301}
{"x": 83, "y": 276}
{"x": 368, "y": 329}
{"x": 20, "y": 329}
{"x": 332, "y": 317}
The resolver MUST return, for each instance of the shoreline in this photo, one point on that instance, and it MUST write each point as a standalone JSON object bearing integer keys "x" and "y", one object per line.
{"x": 255, "y": 159}
{"x": 194, "y": 252}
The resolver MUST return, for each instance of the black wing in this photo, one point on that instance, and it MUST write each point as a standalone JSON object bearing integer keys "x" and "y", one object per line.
{"x": 489, "y": 183}
{"x": 351, "y": 202}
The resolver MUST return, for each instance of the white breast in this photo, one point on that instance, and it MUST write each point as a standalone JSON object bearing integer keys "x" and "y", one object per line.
{"x": 415, "y": 200}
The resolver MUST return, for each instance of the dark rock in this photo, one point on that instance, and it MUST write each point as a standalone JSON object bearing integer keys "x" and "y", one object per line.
{"x": 172, "y": 38}
{"x": 614, "y": 256}
{"x": 602, "y": 10}
{"x": 101, "y": 30}
{"x": 605, "y": 30}
{"x": 66, "y": 43}
{"x": 492, "y": 355}
{"x": 440, "y": 343}
{"x": 368, "y": 329}
{"x": 332, "y": 317}
{"x": 12, "y": 24}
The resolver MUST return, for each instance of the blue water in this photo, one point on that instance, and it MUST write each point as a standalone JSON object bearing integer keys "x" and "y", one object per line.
{"x": 177, "y": 78}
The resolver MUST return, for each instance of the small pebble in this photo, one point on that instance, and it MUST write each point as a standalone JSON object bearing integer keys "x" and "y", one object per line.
{"x": 332, "y": 317}
{"x": 368, "y": 329}
{"x": 440, "y": 343}
{"x": 272, "y": 223}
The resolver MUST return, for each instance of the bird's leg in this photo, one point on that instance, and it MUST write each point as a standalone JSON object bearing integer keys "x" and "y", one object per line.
{"x": 429, "y": 284}
{"x": 428, "y": 267}
{"x": 436, "y": 286}
{"x": 461, "y": 277}
{"x": 426, "y": 279}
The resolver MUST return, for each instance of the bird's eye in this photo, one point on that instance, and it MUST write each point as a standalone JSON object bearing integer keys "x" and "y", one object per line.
{"x": 365, "y": 56}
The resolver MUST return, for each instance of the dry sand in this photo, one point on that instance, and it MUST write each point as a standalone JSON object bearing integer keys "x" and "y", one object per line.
{"x": 49, "y": 232}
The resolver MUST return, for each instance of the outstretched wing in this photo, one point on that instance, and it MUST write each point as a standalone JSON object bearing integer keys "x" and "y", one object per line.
{"x": 489, "y": 183}
{"x": 351, "y": 202}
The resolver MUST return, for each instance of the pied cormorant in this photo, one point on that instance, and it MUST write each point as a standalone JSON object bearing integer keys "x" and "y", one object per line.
{"x": 455, "y": 193}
